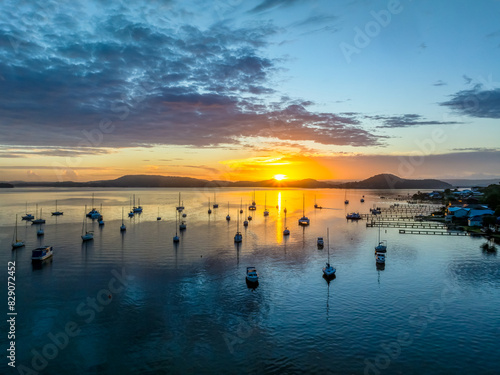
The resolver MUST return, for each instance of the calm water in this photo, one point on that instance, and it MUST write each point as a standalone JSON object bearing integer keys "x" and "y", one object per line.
{"x": 434, "y": 309}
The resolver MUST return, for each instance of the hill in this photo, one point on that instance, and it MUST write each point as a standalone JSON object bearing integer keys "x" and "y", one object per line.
{"x": 390, "y": 181}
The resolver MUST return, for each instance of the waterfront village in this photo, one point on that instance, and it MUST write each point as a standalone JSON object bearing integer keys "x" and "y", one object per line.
{"x": 475, "y": 210}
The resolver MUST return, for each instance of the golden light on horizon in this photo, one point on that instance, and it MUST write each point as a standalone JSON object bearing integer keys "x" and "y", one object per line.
{"x": 279, "y": 177}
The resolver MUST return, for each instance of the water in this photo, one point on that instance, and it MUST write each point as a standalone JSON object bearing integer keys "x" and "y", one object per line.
{"x": 187, "y": 309}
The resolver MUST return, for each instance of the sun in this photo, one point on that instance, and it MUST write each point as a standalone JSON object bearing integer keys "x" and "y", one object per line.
{"x": 279, "y": 177}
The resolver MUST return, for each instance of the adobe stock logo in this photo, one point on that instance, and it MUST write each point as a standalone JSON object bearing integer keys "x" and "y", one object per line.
{"x": 363, "y": 36}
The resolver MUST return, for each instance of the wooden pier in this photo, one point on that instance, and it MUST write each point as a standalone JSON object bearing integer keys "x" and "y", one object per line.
{"x": 431, "y": 232}
{"x": 410, "y": 225}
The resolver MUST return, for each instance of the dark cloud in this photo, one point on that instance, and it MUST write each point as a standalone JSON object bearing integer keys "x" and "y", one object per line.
{"x": 439, "y": 83}
{"x": 467, "y": 79}
{"x": 476, "y": 102}
{"x": 100, "y": 75}
{"x": 407, "y": 120}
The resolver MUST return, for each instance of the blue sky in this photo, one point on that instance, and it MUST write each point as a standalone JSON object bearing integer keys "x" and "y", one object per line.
{"x": 225, "y": 89}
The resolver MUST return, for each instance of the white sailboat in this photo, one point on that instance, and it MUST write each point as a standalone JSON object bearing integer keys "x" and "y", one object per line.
{"x": 56, "y": 212}
{"x": 16, "y": 242}
{"x": 86, "y": 235}
{"x": 304, "y": 220}
{"x": 381, "y": 248}
{"x": 122, "y": 227}
{"x": 93, "y": 213}
{"x": 137, "y": 209}
{"x": 28, "y": 216}
{"x": 328, "y": 271}
{"x": 286, "y": 232}
{"x": 238, "y": 236}
{"x": 266, "y": 212}
{"x": 228, "y": 217}
{"x": 38, "y": 220}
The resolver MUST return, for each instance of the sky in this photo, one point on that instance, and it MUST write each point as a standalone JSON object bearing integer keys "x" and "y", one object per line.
{"x": 246, "y": 90}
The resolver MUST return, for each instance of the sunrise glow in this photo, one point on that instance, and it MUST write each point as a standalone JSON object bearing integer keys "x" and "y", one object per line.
{"x": 279, "y": 177}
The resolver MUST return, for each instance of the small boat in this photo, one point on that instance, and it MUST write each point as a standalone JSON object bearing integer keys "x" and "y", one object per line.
{"x": 16, "y": 243}
{"x": 320, "y": 242}
{"x": 100, "y": 219}
{"x": 184, "y": 215}
{"x": 252, "y": 275}
{"x": 316, "y": 205}
{"x": 137, "y": 209}
{"x": 123, "y": 228}
{"x": 182, "y": 225}
{"x": 245, "y": 223}
{"x": 40, "y": 232}
{"x": 304, "y": 220}
{"x": 253, "y": 207}
{"x": 380, "y": 249}
{"x": 286, "y": 232}
{"x": 86, "y": 235}
{"x": 238, "y": 236}
{"x": 39, "y": 220}
{"x": 362, "y": 200}
{"x": 131, "y": 213}
{"x": 266, "y": 212}
{"x": 241, "y": 206}
{"x": 215, "y": 204}
{"x": 329, "y": 270}
{"x": 27, "y": 217}
{"x": 180, "y": 207}
{"x": 346, "y": 201}
{"x": 56, "y": 212}
{"x": 176, "y": 237}
{"x": 353, "y": 216}
{"x": 41, "y": 253}
{"x": 158, "y": 217}
{"x": 93, "y": 213}
{"x": 209, "y": 210}
{"x": 228, "y": 217}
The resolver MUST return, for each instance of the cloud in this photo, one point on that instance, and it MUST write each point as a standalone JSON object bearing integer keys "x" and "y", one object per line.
{"x": 269, "y": 4}
{"x": 408, "y": 120}
{"x": 439, "y": 83}
{"x": 467, "y": 79}
{"x": 95, "y": 76}
{"x": 476, "y": 102}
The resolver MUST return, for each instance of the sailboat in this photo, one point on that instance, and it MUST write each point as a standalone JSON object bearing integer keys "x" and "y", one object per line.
{"x": 176, "y": 237}
{"x": 16, "y": 243}
{"x": 228, "y": 217}
{"x": 40, "y": 232}
{"x": 122, "y": 227}
{"x": 180, "y": 207}
{"x": 57, "y": 213}
{"x": 328, "y": 271}
{"x": 93, "y": 213}
{"x": 182, "y": 225}
{"x": 346, "y": 201}
{"x": 315, "y": 204}
{"x": 131, "y": 213}
{"x": 304, "y": 220}
{"x": 158, "y": 217}
{"x": 253, "y": 207}
{"x": 286, "y": 232}
{"x": 266, "y": 212}
{"x": 87, "y": 236}
{"x": 39, "y": 220}
{"x": 137, "y": 209}
{"x": 238, "y": 237}
{"x": 245, "y": 223}
{"x": 381, "y": 248}
{"x": 215, "y": 204}
{"x": 100, "y": 220}
{"x": 28, "y": 216}
{"x": 209, "y": 210}
{"x": 241, "y": 206}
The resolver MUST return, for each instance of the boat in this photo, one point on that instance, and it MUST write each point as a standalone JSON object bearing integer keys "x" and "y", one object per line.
{"x": 346, "y": 201}
{"x": 56, "y": 212}
{"x": 131, "y": 213}
{"x": 304, "y": 220}
{"x": 245, "y": 223}
{"x": 86, "y": 235}
{"x": 252, "y": 275}
{"x": 184, "y": 215}
{"x": 93, "y": 213}
{"x": 353, "y": 216}
{"x": 241, "y": 206}
{"x": 238, "y": 236}
{"x": 329, "y": 270}
{"x": 381, "y": 248}
{"x": 286, "y": 232}
{"x": 316, "y": 205}
{"x": 39, "y": 220}
{"x": 137, "y": 209}
{"x": 176, "y": 237}
{"x": 228, "y": 217}
{"x": 182, "y": 225}
{"x": 253, "y": 207}
{"x": 158, "y": 217}
{"x": 209, "y": 210}
{"x": 27, "y": 217}
{"x": 266, "y": 212}
{"x": 320, "y": 242}
{"x": 100, "y": 220}
{"x": 41, "y": 253}
{"x": 180, "y": 207}
{"x": 215, "y": 204}
{"x": 16, "y": 243}
{"x": 40, "y": 232}
{"x": 362, "y": 200}
{"x": 123, "y": 228}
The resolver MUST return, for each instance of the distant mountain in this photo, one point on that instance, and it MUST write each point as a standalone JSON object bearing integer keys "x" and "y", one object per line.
{"x": 6, "y": 185}
{"x": 471, "y": 183}
{"x": 390, "y": 181}
{"x": 381, "y": 181}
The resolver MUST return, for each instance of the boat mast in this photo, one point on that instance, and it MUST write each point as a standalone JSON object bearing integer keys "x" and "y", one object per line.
{"x": 328, "y": 243}
{"x": 84, "y": 221}
{"x": 15, "y": 233}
